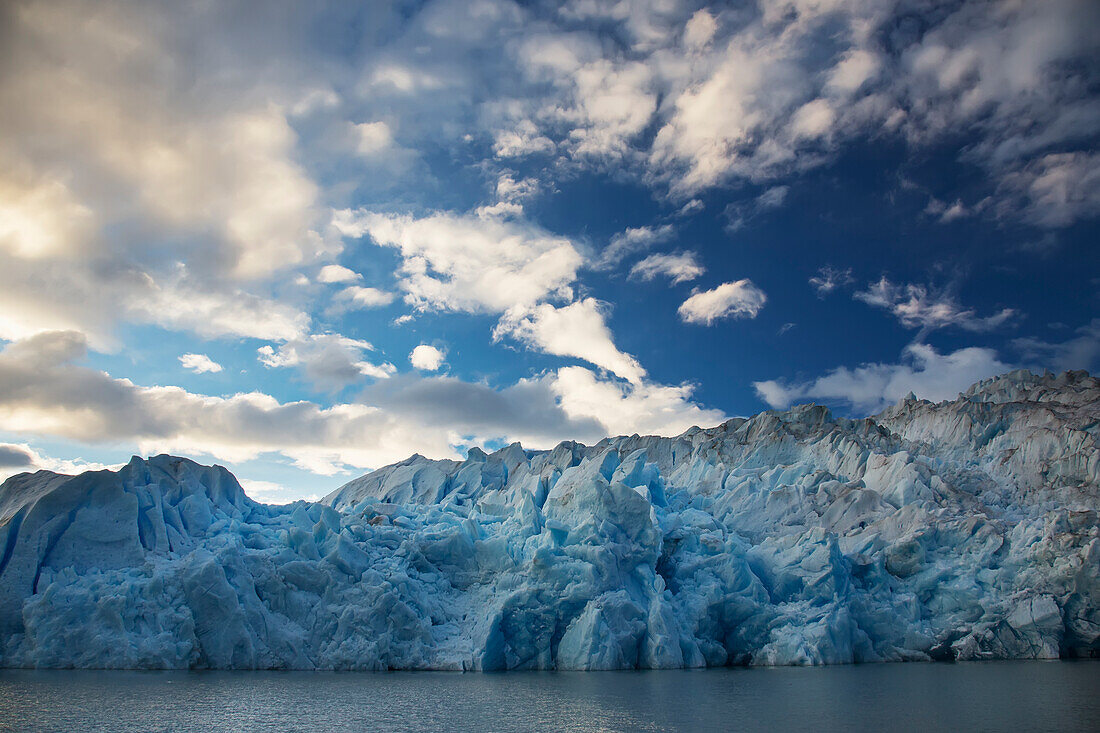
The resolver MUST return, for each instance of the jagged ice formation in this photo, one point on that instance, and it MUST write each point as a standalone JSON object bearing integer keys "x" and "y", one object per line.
{"x": 965, "y": 529}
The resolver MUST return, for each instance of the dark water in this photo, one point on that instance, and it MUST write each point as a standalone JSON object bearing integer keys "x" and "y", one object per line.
{"x": 1011, "y": 696}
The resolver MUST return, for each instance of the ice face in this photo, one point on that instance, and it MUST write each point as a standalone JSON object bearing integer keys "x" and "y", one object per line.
{"x": 966, "y": 529}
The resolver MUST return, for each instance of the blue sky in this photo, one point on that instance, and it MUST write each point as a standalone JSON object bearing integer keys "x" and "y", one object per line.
{"x": 306, "y": 242}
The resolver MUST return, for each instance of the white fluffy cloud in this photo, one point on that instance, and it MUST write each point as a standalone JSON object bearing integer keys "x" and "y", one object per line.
{"x": 678, "y": 267}
{"x": 357, "y": 296}
{"x": 200, "y": 364}
{"x": 870, "y": 387}
{"x": 915, "y": 307}
{"x": 470, "y": 263}
{"x": 337, "y": 274}
{"x": 578, "y": 330}
{"x": 427, "y": 358}
{"x": 739, "y": 299}
{"x": 646, "y": 409}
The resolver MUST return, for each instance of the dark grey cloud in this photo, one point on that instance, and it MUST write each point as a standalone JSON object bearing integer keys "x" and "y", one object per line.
{"x": 529, "y": 406}
{"x": 43, "y": 387}
{"x": 15, "y": 456}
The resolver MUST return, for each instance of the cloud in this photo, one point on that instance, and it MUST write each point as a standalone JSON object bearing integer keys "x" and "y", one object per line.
{"x": 148, "y": 190}
{"x": 870, "y": 387}
{"x": 200, "y": 363}
{"x": 521, "y": 140}
{"x": 41, "y": 218}
{"x": 813, "y": 119}
{"x": 741, "y": 213}
{"x": 700, "y": 29}
{"x": 758, "y": 97}
{"x": 15, "y": 456}
{"x": 490, "y": 264}
{"x": 22, "y": 458}
{"x": 855, "y": 68}
{"x": 427, "y": 358}
{"x": 469, "y": 263}
{"x": 830, "y": 278}
{"x": 631, "y": 241}
{"x": 1080, "y": 352}
{"x": 739, "y": 299}
{"x": 337, "y": 274}
{"x": 175, "y": 175}
{"x": 947, "y": 213}
{"x": 511, "y": 190}
{"x": 623, "y": 409}
{"x": 528, "y": 411}
{"x": 357, "y": 296}
{"x": 135, "y": 137}
{"x": 731, "y": 116}
{"x": 607, "y": 104}
{"x": 178, "y": 303}
{"x": 372, "y": 137}
{"x": 915, "y": 307}
{"x": 269, "y": 492}
{"x": 329, "y": 361}
{"x": 43, "y": 392}
{"x": 578, "y": 330}
{"x": 679, "y": 267}
{"x": 1055, "y": 190}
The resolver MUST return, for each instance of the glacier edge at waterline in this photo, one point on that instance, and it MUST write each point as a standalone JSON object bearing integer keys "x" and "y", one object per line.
{"x": 966, "y": 529}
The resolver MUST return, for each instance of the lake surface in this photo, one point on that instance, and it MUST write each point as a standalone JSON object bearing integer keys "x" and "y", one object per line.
{"x": 1029, "y": 696}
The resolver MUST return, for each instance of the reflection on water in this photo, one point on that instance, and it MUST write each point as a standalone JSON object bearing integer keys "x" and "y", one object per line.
{"x": 1028, "y": 696}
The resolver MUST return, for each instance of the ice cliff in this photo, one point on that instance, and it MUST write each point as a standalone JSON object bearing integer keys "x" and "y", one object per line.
{"x": 960, "y": 530}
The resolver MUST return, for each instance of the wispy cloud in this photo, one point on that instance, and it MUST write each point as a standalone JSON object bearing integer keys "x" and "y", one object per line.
{"x": 678, "y": 267}
{"x": 916, "y": 307}
{"x": 632, "y": 241}
{"x": 830, "y": 278}
{"x": 200, "y": 364}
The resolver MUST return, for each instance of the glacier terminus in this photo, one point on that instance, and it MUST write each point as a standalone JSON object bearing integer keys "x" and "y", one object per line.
{"x": 965, "y": 530}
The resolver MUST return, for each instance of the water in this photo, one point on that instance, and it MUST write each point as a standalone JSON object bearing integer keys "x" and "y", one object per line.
{"x": 1031, "y": 696}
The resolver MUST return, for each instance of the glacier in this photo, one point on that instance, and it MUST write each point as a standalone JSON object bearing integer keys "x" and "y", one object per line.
{"x": 965, "y": 529}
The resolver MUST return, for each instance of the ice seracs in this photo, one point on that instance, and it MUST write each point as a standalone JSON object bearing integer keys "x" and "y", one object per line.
{"x": 966, "y": 529}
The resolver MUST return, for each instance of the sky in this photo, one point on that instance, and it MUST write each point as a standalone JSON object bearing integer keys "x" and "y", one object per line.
{"x": 306, "y": 240}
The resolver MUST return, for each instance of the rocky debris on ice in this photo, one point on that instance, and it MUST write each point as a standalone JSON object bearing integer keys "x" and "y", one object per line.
{"x": 960, "y": 530}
